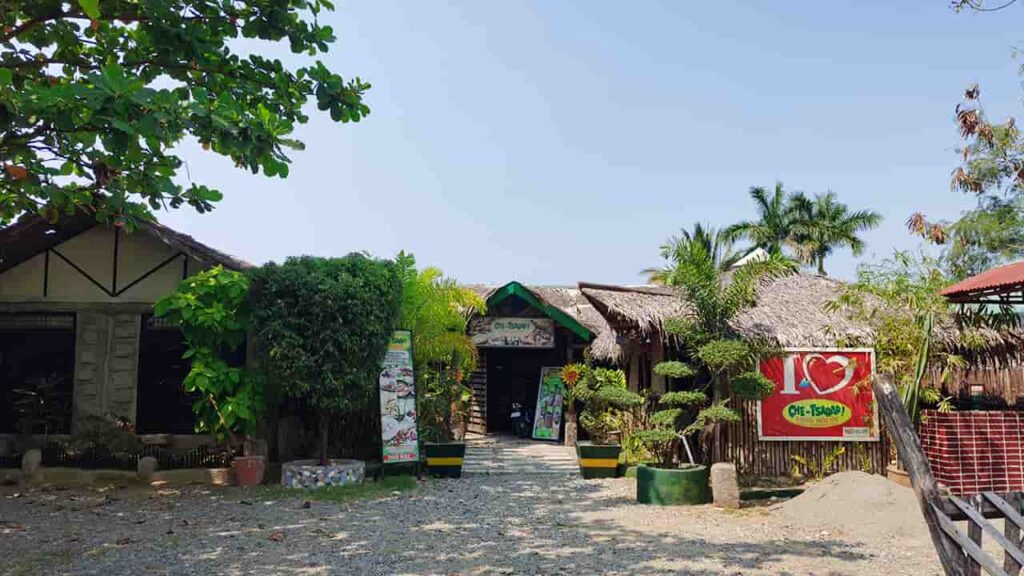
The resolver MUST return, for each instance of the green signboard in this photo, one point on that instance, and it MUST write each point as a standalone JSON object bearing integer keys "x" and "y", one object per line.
{"x": 547, "y": 422}
{"x": 398, "y": 401}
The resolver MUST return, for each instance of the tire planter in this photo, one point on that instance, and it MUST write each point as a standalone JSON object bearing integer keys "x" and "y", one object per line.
{"x": 249, "y": 470}
{"x": 445, "y": 460}
{"x": 667, "y": 487}
{"x": 598, "y": 460}
{"x": 310, "y": 474}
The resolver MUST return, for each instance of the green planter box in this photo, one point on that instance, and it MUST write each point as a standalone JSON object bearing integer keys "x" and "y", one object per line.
{"x": 445, "y": 460}
{"x": 672, "y": 487}
{"x": 598, "y": 461}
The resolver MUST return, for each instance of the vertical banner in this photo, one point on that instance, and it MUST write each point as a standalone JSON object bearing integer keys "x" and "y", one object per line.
{"x": 820, "y": 394}
{"x": 398, "y": 401}
{"x": 547, "y": 420}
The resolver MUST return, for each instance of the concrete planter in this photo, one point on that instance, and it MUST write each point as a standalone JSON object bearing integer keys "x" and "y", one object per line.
{"x": 670, "y": 487}
{"x": 598, "y": 460}
{"x": 310, "y": 474}
{"x": 249, "y": 470}
{"x": 444, "y": 460}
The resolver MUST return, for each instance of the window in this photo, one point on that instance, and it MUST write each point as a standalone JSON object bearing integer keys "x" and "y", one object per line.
{"x": 37, "y": 372}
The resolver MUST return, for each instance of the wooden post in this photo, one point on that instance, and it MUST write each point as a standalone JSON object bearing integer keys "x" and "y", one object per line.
{"x": 898, "y": 423}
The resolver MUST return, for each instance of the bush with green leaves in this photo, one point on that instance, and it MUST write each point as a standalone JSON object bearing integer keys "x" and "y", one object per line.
{"x": 210, "y": 309}
{"x": 322, "y": 326}
{"x": 724, "y": 355}
{"x": 606, "y": 398}
{"x": 666, "y": 426}
{"x": 674, "y": 369}
{"x": 752, "y": 386}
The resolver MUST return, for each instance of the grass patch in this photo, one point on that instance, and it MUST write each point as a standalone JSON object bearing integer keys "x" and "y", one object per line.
{"x": 368, "y": 490}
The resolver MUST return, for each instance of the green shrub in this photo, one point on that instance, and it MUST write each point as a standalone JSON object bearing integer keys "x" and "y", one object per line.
{"x": 683, "y": 398}
{"x": 721, "y": 355}
{"x": 322, "y": 326}
{"x": 605, "y": 398}
{"x": 714, "y": 414}
{"x": 673, "y": 369}
{"x": 752, "y": 386}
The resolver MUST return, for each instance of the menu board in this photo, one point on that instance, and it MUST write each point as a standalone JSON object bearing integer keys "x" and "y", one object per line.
{"x": 547, "y": 422}
{"x": 398, "y": 401}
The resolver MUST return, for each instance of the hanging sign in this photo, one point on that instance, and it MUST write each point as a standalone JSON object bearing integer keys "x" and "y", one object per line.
{"x": 547, "y": 420}
{"x": 398, "y": 401}
{"x": 820, "y": 394}
{"x": 488, "y": 332}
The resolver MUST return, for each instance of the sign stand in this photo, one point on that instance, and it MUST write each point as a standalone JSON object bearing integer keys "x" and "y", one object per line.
{"x": 397, "y": 387}
{"x": 547, "y": 419}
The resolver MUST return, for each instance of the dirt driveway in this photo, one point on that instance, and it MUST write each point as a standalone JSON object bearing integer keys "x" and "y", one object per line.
{"x": 492, "y": 525}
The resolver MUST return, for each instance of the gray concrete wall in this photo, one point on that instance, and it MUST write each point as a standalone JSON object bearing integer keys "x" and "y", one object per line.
{"x": 106, "y": 363}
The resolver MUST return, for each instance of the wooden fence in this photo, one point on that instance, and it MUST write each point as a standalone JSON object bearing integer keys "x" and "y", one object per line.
{"x": 1005, "y": 383}
{"x": 755, "y": 458}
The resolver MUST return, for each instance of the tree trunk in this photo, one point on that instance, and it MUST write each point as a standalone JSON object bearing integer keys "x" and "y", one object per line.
{"x": 821, "y": 265}
{"x": 325, "y": 427}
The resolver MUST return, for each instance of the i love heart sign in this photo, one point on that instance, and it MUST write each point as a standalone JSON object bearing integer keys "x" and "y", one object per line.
{"x": 818, "y": 396}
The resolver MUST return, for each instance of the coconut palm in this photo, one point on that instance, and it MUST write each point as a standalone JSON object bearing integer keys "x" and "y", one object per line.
{"x": 773, "y": 228}
{"x": 712, "y": 241}
{"x": 824, "y": 224}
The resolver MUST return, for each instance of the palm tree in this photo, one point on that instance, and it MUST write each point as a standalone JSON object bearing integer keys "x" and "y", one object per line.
{"x": 710, "y": 239}
{"x": 776, "y": 218}
{"x": 824, "y": 224}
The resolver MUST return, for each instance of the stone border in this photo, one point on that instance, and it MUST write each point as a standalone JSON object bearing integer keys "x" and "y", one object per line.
{"x": 310, "y": 474}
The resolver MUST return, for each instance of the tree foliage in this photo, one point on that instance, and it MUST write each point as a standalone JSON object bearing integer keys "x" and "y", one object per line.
{"x": 823, "y": 224}
{"x": 322, "y": 326}
{"x": 606, "y": 399}
{"x": 212, "y": 312}
{"x": 713, "y": 241}
{"x": 774, "y": 228}
{"x": 95, "y": 95}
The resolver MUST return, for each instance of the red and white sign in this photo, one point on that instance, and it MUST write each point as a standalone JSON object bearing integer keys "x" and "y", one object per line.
{"x": 822, "y": 394}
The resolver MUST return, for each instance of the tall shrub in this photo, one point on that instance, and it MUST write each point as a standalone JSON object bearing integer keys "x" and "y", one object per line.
{"x": 322, "y": 326}
{"x": 210, "y": 308}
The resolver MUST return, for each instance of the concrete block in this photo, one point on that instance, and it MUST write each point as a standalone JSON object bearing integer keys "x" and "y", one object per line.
{"x": 31, "y": 462}
{"x": 725, "y": 486}
{"x": 123, "y": 350}
{"x": 146, "y": 467}
{"x": 90, "y": 336}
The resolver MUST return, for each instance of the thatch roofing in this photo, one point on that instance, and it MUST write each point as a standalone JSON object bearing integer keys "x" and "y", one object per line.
{"x": 643, "y": 309}
{"x": 794, "y": 311}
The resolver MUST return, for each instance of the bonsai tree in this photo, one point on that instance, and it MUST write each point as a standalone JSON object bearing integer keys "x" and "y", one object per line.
{"x": 322, "y": 326}
{"x": 668, "y": 425}
{"x": 606, "y": 398}
{"x": 436, "y": 310}
{"x": 211, "y": 311}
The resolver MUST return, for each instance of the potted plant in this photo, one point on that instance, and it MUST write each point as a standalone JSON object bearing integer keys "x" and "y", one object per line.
{"x": 443, "y": 407}
{"x": 321, "y": 328}
{"x": 211, "y": 310}
{"x": 571, "y": 374}
{"x": 436, "y": 309}
{"x": 605, "y": 397}
{"x": 666, "y": 481}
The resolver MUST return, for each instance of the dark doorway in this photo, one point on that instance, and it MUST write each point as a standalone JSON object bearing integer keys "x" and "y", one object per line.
{"x": 513, "y": 375}
{"x": 163, "y": 405}
{"x": 37, "y": 372}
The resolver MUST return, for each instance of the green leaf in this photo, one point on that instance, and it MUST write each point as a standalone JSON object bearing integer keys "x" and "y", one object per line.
{"x": 91, "y": 8}
{"x": 6, "y": 76}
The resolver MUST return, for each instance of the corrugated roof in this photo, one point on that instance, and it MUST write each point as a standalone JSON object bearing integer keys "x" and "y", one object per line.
{"x": 993, "y": 280}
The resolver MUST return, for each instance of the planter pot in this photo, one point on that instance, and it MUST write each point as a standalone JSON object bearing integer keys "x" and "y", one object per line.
{"x": 249, "y": 470}
{"x": 670, "y": 487}
{"x": 598, "y": 460}
{"x": 445, "y": 460}
{"x": 898, "y": 476}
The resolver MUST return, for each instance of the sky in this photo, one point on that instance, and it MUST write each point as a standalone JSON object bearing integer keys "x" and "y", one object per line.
{"x": 556, "y": 142}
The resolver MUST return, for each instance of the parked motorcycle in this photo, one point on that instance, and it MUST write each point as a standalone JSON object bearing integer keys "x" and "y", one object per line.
{"x": 522, "y": 420}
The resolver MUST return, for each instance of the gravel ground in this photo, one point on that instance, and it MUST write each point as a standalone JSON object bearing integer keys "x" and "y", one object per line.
{"x": 490, "y": 525}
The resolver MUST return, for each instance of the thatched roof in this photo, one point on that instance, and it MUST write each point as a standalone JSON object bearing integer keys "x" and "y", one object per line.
{"x": 793, "y": 311}
{"x": 643, "y": 309}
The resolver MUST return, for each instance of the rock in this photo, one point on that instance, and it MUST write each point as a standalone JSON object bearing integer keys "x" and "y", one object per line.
{"x": 724, "y": 486}
{"x": 31, "y": 462}
{"x": 147, "y": 465}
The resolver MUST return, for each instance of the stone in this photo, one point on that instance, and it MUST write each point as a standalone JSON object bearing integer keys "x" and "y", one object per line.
{"x": 31, "y": 462}
{"x": 146, "y": 467}
{"x": 725, "y": 488}
{"x": 309, "y": 474}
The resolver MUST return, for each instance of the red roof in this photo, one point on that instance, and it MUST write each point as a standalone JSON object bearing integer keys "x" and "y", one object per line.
{"x": 990, "y": 280}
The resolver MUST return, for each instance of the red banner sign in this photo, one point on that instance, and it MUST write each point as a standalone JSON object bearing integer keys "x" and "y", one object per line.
{"x": 819, "y": 395}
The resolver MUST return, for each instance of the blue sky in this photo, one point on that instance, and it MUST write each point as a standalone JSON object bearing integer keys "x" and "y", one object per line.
{"x": 552, "y": 142}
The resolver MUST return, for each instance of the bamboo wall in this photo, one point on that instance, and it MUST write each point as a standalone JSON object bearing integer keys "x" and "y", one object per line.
{"x": 1005, "y": 383}
{"x": 752, "y": 457}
